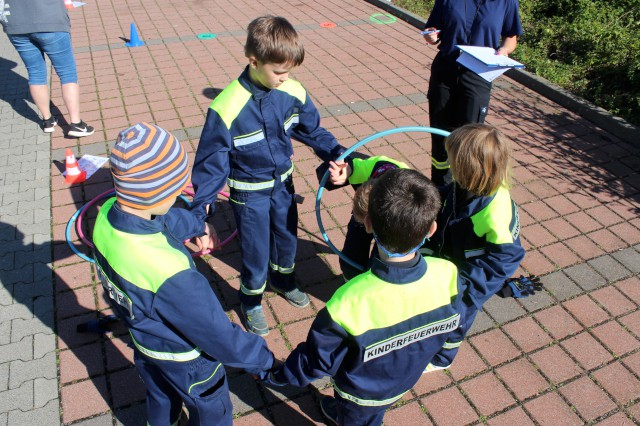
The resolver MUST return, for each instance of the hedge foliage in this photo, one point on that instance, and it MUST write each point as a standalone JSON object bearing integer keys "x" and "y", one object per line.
{"x": 591, "y": 48}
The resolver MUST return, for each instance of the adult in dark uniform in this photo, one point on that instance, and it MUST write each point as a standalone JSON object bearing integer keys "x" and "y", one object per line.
{"x": 457, "y": 95}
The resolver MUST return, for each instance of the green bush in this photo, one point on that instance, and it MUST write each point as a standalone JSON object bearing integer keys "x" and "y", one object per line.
{"x": 589, "y": 48}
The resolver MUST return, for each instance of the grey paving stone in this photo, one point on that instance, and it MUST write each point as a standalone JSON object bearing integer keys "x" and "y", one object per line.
{"x": 4, "y": 377}
{"x": 380, "y": 103}
{"x": 630, "y": 258}
{"x": 135, "y": 415}
{"x": 43, "y": 344}
{"x": 28, "y": 291}
{"x": 15, "y": 311}
{"x": 18, "y": 350}
{"x": 538, "y": 301}
{"x": 6, "y": 296}
{"x": 45, "y": 416}
{"x": 274, "y": 394}
{"x": 45, "y": 390}
{"x": 503, "y": 310}
{"x": 480, "y": 324}
{"x": 103, "y": 420}
{"x": 4, "y": 419}
{"x": 610, "y": 268}
{"x": 558, "y": 284}
{"x": 21, "y": 328}
{"x": 17, "y": 399}
{"x": 245, "y": 395}
{"x": 361, "y": 106}
{"x": 323, "y": 383}
{"x": 21, "y": 372}
{"x": 5, "y": 333}
{"x": 6, "y": 261}
{"x": 194, "y": 132}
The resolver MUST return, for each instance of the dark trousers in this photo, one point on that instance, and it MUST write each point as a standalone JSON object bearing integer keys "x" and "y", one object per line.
{"x": 201, "y": 384}
{"x": 457, "y": 96}
{"x": 267, "y": 223}
{"x": 352, "y": 414}
{"x": 357, "y": 247}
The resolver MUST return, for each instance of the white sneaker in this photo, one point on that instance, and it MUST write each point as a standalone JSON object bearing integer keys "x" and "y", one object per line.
{"x": 430, "y": 368}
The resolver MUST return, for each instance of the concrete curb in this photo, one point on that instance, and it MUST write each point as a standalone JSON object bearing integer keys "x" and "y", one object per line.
{"x": 598, "y": 116}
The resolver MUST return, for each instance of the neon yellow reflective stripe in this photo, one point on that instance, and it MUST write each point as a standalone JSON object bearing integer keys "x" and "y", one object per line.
{"x": 362, "y": 168}
{"x": 440, "y": 165}
{"x": 250, "y": 186}
{"x": 294, "y": 89}
{"x": 250, "y": 292}
{"x": 167, "y": 356}
{"x": 367, "y": 302}
{"x": 256, "y": 186}
{"x": 254, "y": 137}
{"x": 282, "y": 269}
{"x": 451, "y": 345}
{"x": 493, "y": 221}
{"x": 230, "y": 102}
{"x": 144, "y": 260}
{"x": 205, "y": 380}
{"x": 366, "y": 402}
{"x": 286, "y": 174}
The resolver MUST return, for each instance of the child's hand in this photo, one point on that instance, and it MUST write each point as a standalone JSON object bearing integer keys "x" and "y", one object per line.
{"x": 339, "y": 172}
{"x": 208, "y": 241}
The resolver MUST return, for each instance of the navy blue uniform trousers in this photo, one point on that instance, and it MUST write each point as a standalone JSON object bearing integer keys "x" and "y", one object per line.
{"x": 457, "y": 96}
{"x": 200, "y": 383}
{"x": 267, "y": 223}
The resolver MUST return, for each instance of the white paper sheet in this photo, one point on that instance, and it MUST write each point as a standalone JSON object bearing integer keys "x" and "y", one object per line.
{"x": 90, "y": 164}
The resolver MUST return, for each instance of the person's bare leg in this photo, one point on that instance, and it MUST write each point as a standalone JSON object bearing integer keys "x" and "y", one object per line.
{"x": 71, "y": 98}
{"x": 40, "y": 96}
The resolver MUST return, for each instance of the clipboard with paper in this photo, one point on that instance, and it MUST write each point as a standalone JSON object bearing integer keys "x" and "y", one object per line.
{"x": 484, "y": 61}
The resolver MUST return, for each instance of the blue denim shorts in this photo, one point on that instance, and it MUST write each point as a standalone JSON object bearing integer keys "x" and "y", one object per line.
{"x": 57, "y": 46}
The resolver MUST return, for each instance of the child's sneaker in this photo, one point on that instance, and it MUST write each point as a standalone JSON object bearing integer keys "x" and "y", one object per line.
{"x": 329, "y": 408}
{"x": 80, "y": 129}
{"x": 295, "y": 297}
{"x": 49, "y": 124}
{"x": 432, "y": 367}
{"x": 255, "y": 320}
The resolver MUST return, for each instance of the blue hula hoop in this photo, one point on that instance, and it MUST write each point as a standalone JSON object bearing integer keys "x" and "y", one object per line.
{"x": 355, "y": 146}
{"x": 82, "y": 210}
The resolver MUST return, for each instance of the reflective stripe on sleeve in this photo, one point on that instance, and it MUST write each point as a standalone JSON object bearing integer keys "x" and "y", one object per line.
{"x": 167, "y": 356}
{"x": 474, "y": 253}
{"x": 440, "y": 165}
{"x": 451, "y": 345}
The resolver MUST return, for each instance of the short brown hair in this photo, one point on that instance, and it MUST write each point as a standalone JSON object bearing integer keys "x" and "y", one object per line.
{"x": 272, "y": 39}
{"x": 480, "y": 158}
{"x": 403, "y": 205}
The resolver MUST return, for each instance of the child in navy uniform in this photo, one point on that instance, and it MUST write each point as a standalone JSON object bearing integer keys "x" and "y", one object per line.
{"x": 379, "y": 330}
{"x": 180, "y": 333}
{"x": 246, "y": 144}
{"x": 478, "y": 226}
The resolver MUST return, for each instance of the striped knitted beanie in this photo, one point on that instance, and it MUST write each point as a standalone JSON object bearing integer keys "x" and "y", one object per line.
{"x": 148, "y": 165}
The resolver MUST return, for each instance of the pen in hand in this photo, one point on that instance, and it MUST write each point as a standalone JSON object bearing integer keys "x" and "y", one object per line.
{"x": 427, "y": 32}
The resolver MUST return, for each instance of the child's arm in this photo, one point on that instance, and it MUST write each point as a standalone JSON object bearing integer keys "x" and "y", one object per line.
{"x": 321, "y": 355}
{"x": 211, "y": 166}
{"x": 187, "y": 303}
{"x": 309, "y": 132}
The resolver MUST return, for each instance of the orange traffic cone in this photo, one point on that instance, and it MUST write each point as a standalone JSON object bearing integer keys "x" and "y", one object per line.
{"x": 68, "y": 4}
{"x": 74, "y": 173}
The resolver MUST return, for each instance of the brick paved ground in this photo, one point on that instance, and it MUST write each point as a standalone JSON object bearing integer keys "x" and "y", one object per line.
{"x": 567, "y": 356}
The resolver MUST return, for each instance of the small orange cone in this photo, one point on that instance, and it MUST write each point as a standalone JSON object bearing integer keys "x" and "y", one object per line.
{"x": 74, "y": 173}
{"x": 68, "y": 4}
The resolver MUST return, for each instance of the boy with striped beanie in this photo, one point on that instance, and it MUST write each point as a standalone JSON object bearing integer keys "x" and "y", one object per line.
{"x": 180, "y": 333}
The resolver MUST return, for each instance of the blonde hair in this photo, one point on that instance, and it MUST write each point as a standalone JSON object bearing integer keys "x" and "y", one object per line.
{"x": 272, "y": 39}
{"x": 361, "y": 201}
{"x": 480, "y": 158}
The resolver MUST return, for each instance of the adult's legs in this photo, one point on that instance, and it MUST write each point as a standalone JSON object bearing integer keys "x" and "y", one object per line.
{"x": 357, "y": 247}
{"x": 474, "y": 94}
{"x": 442, "y": 108}
{"x": 33, "y": 58}
{"x": 58, "y": 48}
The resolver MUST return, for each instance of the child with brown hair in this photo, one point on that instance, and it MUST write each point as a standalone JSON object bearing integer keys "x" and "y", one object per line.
{"x": 246, "y": 144}
{"x": 478, "y": 225}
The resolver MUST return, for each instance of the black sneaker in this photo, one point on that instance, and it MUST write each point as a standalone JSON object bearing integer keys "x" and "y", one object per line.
{"x": 49, "y": 124}
{"x": 329, "y": 408}
{"x": 80, "y": 129}
{"x": 255, "y": 320}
